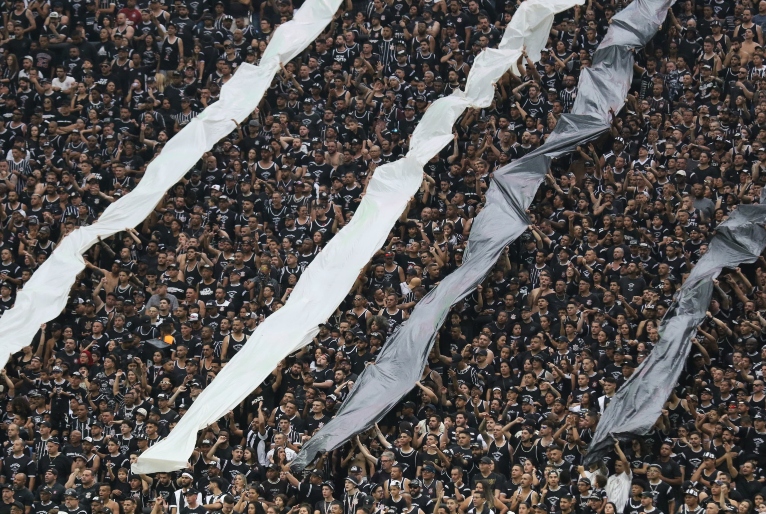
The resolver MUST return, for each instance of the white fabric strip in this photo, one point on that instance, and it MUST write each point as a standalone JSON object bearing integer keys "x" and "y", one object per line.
{"x": 45, "y": 295}
{"x": 328, "y": 278}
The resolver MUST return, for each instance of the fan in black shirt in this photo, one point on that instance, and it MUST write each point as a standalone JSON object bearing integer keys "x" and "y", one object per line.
{"x": 56, "y": 460}
{"x": 45, "y": 504}
{"x": 72, "y": 503}
{"x": 192, "y": 507}
{"x": 114, "y": 459}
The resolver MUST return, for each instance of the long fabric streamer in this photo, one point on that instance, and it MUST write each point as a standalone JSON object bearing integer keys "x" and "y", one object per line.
{"x": 46, "y": 293}
{"x": 328, "y": 278}
{"x": 603, "y": 88}
{"x": 639, "y": 402}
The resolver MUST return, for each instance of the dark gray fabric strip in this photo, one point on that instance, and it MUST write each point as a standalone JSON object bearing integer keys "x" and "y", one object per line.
{"x": 639, "y": 402}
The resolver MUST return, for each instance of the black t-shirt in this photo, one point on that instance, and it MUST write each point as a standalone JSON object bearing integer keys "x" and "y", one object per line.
{"x": 312, "y": 423}
{"x": 495, "y": 480}
{"x": 115, "y": 462}
{"x": 62, "y": 464}
{"x": 231, "y": 470}
{"x": 199, "y": 509}
{"x": 13, "y": 465}
{"x": 75, "y": 510}
{"x": 662, "y": 492}
{"x": 271, "y": 490}
{"x": 408, "y": 460}
{"x": 590, "y": 300}
{"x": 692, "y": 459}
{"x": 42, "y": 508}
{"x": 632, "y": 286}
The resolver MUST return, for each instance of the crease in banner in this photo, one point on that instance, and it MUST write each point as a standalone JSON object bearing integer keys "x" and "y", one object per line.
{"x": 603, "y": 88}
{"x": 45, "y": 295}
{"x": 329, "y": 277}
{"x": 635, "y": 407}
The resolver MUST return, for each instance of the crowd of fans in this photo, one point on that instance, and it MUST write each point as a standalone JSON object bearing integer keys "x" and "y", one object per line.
{"x": 91, "y": 90}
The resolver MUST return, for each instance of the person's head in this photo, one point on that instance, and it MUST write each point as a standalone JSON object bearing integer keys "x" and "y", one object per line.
{"x": 647, "y": 499}
{"x": 595, "y": 501}
{"x": 71, "y": 500}
{"x": 479, "y": 499}
{"x": 191, "y": 495}
{"x": 387, "y": 460}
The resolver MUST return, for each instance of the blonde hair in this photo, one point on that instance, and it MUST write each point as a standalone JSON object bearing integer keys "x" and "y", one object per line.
{"x": 160, "y": 78}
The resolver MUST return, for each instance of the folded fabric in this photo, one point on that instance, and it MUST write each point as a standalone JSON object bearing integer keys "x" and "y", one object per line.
{"x": 638, "y": 404}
